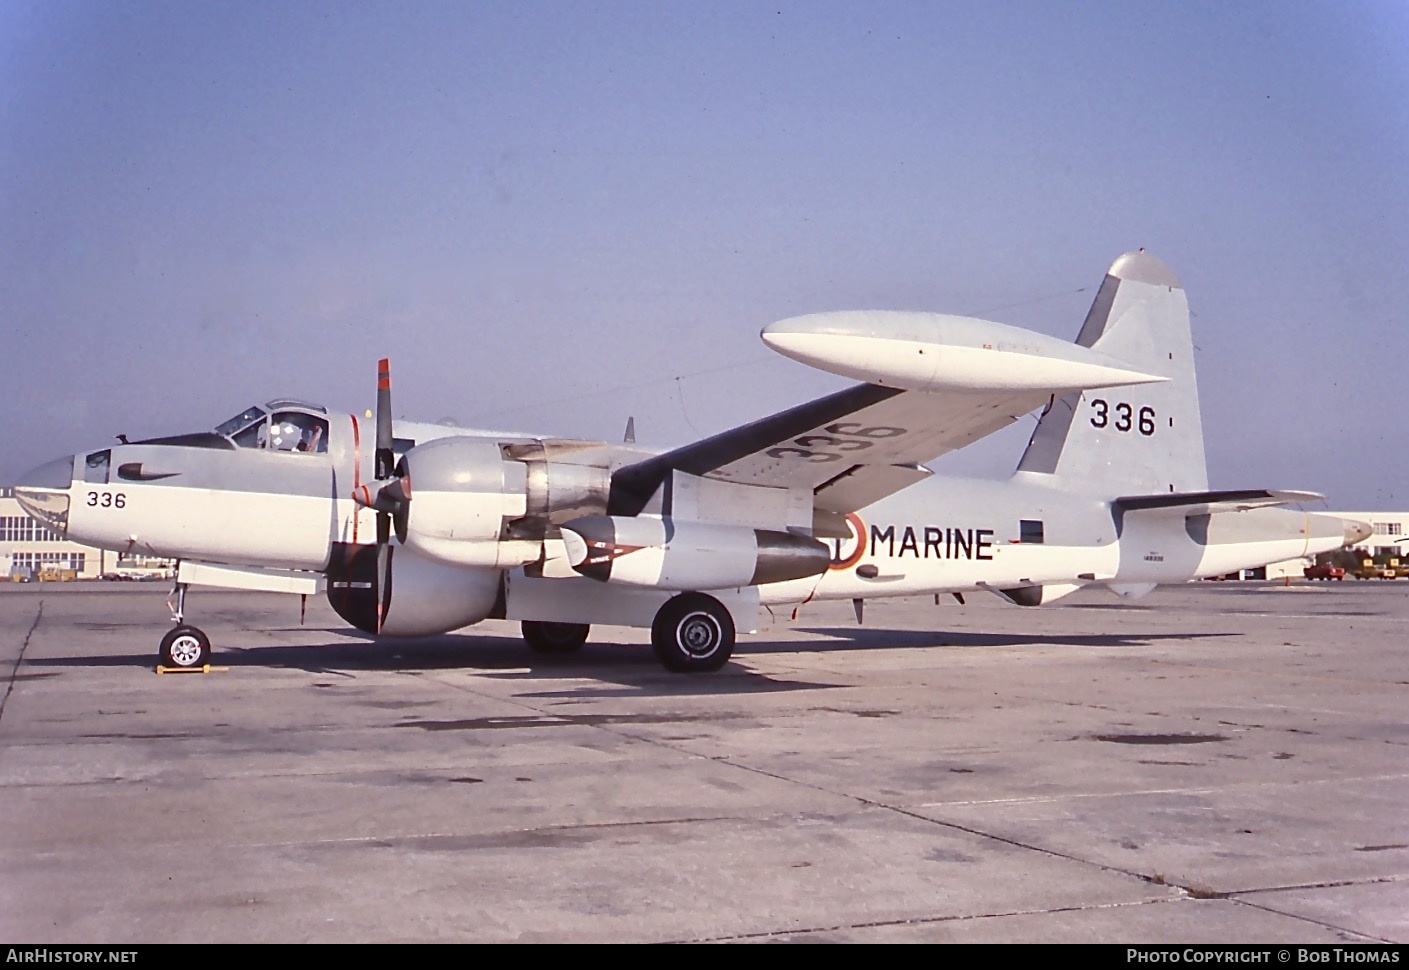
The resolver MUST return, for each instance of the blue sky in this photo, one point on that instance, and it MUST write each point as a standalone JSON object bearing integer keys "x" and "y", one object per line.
{"x": 555, "y": 215}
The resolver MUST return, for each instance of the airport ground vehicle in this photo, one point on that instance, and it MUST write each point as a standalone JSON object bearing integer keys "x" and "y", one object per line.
{"x": 1324, "y": 570}
{"x": 1369, "y": 569}
{"x": 55, "y": 574}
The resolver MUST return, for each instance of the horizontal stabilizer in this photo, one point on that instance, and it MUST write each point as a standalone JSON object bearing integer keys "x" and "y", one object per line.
{"x": 1208, "y": 503}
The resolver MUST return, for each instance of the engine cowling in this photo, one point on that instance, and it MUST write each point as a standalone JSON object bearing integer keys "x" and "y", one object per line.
{"x": 476, "y": 502}
{"x": 674, "y": 554}
{"x": 421, "y": 597}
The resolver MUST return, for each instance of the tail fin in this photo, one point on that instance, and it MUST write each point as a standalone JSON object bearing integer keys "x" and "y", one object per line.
{"x": 1130, "y": 440}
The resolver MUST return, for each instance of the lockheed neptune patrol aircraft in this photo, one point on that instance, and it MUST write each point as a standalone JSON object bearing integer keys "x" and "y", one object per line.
{"x": 418, "y": 529}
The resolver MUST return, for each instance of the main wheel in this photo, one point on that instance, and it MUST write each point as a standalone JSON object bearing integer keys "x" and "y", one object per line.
{"x": 693, "y": 633}
{"x": 548, "y": 637}
{"x": 185, "y": 646}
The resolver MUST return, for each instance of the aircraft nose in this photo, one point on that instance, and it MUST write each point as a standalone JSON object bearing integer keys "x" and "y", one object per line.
{"x": 43, "y": 492}
{"x": 1356, "y": 531}
{"x": 53, "y": 474}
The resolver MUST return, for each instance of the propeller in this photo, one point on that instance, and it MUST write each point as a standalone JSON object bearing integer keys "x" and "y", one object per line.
{"x": 390, "y": 494}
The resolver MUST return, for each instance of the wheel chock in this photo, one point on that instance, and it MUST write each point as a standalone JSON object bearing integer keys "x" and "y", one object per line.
{"x": 203, "y": 669}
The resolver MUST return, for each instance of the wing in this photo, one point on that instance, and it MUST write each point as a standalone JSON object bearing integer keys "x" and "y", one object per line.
{"x": 850, "y": 448}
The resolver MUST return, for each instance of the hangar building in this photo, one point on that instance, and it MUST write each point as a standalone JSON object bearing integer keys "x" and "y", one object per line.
{"x": 28, "y": 549}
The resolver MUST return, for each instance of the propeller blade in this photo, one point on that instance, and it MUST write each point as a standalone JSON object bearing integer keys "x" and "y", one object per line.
{"x": 401, "y": 515}
{"x": 397, "y": 499}
{"x": 384, "y": 455}
{"x": 383, "y": 553}
{"x": 383, "y": 502}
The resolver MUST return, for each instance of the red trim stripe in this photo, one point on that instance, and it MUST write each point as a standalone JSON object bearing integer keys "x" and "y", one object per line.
{"x": 356, "y": 472}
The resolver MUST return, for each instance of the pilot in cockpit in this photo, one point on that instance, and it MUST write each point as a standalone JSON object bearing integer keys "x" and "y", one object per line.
{"x": 312, "y": 439}
{"x": 296, "y": 432}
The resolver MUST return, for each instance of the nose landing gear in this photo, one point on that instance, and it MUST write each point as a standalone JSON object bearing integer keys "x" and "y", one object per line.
{"x": 184, "y": 647}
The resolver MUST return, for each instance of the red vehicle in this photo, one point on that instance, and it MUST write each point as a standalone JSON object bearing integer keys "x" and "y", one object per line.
{"x": 1324, "y": 570}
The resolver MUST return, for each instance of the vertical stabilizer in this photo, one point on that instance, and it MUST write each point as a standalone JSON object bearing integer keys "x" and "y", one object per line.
{"x": 1138, "y": 439}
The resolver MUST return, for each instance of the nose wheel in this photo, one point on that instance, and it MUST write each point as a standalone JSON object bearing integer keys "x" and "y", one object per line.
{"x": 184, "y": 647}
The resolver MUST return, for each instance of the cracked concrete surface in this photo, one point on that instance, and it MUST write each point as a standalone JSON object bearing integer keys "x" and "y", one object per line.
{"x": 1216, "y": 763}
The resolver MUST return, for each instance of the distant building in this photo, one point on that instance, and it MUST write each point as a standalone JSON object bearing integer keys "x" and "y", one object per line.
{"x": 1389, "y": 538}
{"x": 27, "y": 548}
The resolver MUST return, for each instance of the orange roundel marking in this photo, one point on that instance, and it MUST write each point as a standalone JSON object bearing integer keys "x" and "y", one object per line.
{"x": 852, "y": 557}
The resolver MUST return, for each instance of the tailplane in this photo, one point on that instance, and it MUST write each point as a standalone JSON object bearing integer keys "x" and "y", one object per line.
{"x": 1140, "y": 439}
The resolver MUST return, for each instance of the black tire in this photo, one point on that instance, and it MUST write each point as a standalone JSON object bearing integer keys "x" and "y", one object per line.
{"x": 548, "y": 637}
{"x": 185, "y": 646}
{"x": 693, "y": 633}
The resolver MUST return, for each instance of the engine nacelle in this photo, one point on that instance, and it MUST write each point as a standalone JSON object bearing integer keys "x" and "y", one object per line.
{"x": 476, "y": 502}
{"x": 665, "y": 553}
{"x": 421, "y": 597}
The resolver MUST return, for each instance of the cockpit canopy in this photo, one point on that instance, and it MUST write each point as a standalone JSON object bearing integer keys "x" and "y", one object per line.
{"x": 284, "y": 425}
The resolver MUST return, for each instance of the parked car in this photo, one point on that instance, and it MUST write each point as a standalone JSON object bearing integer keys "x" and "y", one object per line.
{"x": 1324, "y": 570}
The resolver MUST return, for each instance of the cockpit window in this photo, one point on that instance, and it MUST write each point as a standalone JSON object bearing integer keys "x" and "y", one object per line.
{"x": 291, "y": 403}
{"x": 251, "y": 437}
{"x": 95, "y": 467}
{"x": 304, "y": 429}
{"x": 296, "y": 431}
{"x": 240, "y": 422}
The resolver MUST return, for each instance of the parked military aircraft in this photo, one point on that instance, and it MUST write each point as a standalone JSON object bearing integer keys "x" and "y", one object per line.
{"x": 417, "y": 529}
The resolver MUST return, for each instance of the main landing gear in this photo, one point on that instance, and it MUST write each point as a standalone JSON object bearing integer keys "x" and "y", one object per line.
{"x": 692, "y": 633}
{"x": 554, "y": 638}
{"x": 184, "y": 647}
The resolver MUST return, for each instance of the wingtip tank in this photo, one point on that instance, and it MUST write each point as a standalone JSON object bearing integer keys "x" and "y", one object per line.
{"x": 931, "y": 352}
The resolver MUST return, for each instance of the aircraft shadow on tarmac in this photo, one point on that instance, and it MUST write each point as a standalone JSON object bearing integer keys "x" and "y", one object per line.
{"x": 632, "y": 667}
{"x": 848, "y": 638}
{"x": 1255, "y": 609}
